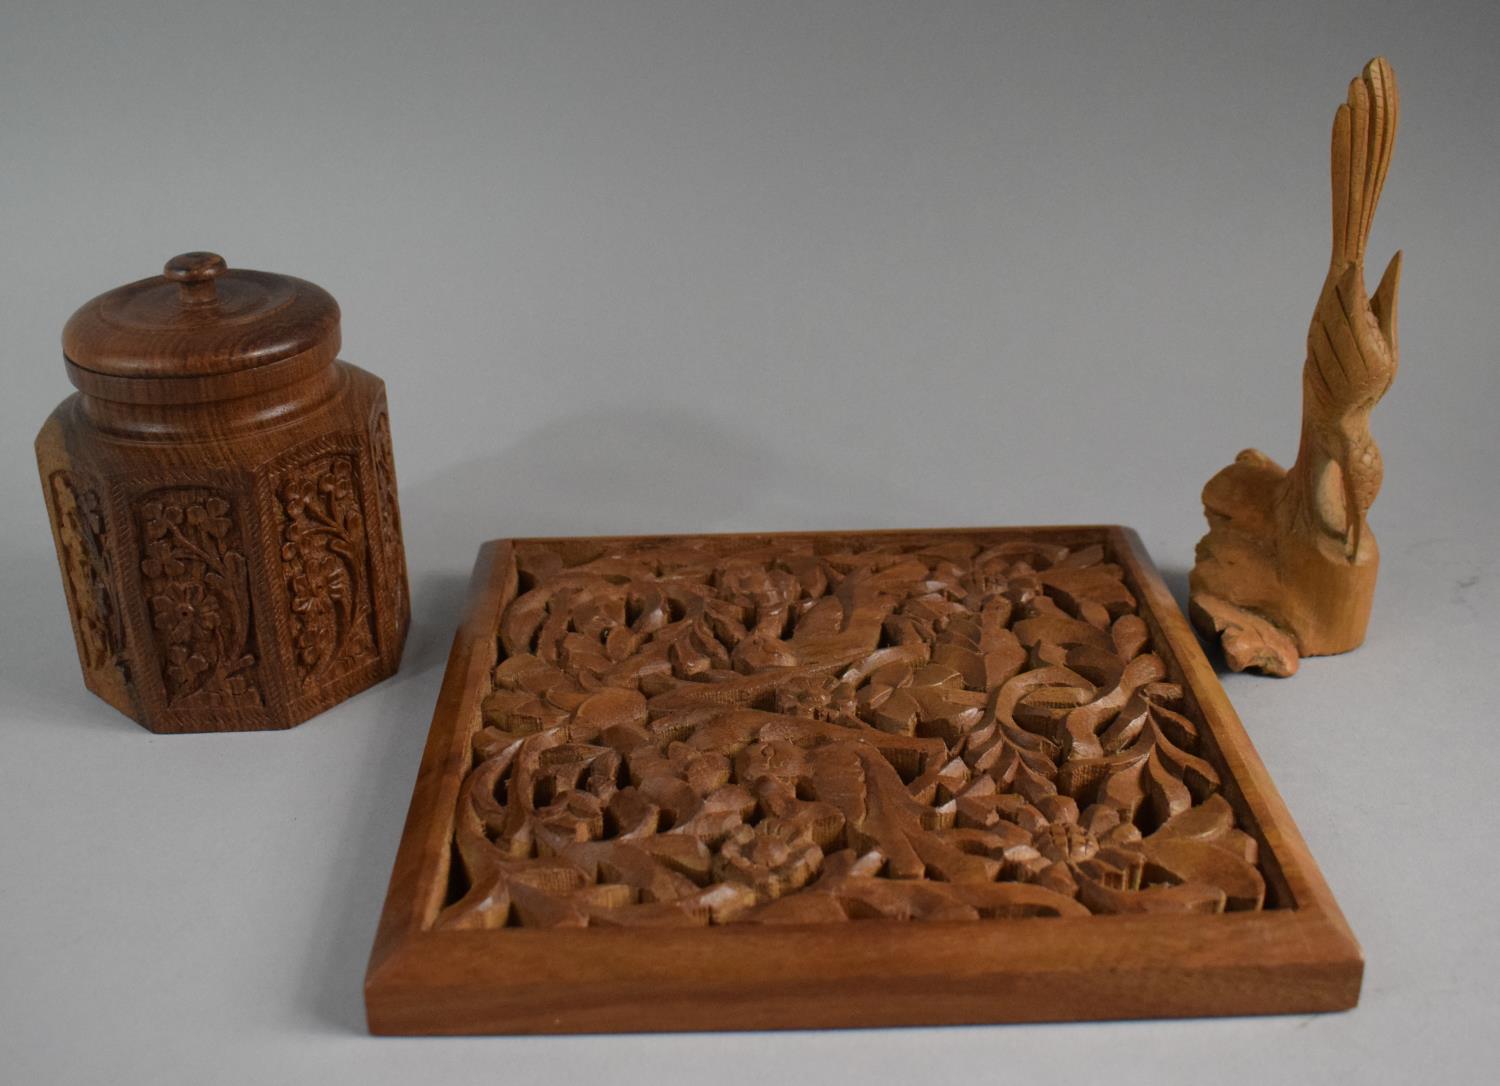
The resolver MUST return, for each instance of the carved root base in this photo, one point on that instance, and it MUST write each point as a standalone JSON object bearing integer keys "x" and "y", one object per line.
{"x": 1249, "y": 641}
{"x": 1273, "y": 593}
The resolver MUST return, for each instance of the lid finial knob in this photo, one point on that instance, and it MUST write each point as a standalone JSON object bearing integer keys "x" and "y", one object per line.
{"x": 195, "y": 274}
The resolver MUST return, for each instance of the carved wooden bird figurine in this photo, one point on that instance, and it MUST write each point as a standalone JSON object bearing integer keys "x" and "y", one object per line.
{"x": 1351, "y": 345}
{"x": 1288, "y": 567}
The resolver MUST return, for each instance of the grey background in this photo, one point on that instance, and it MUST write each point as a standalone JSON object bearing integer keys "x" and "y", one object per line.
{"x": 699, "y": 266}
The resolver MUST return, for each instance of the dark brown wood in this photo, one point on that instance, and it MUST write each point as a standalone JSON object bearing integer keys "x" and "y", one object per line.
{"x": 223, "y": 500}
{"x": 815, "y": 780}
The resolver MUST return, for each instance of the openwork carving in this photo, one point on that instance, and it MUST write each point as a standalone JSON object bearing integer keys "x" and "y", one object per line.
{"x": 822, "y": 729}
{"x": 86, "y": 572}
{"x": 326, "y": 568}
{"x": 196, "y": 584}
{"x": 390, "y": 513}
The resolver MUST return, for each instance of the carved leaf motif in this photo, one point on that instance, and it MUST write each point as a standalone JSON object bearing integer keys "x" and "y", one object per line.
{"x": 326, "y": 568}
{"x": 86, "y": 569}
{"x": 706, "y": 733}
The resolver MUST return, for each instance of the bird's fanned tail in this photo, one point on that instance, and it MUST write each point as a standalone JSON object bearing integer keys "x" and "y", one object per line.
{"x": 1351, "y": 344}
{"x": 1364, "y": 134}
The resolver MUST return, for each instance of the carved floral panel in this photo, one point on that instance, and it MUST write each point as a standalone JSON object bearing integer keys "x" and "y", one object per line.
{"x": 823, "y": 730}
{"x": 86, "y": 570}
{"x": 326, "y": 569}
{"x": 196, "y": 586}
{"x": 390, "y": 514}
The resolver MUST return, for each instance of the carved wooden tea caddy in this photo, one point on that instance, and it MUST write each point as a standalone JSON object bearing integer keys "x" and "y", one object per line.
{"x": 821, "y": 780}
{"x": 223, "y": 501}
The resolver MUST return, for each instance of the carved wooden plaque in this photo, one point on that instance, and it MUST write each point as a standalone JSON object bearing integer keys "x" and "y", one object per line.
{"x": 720, "y": 782}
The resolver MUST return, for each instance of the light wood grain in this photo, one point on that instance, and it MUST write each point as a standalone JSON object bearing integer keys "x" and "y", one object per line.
{"x": 1289, "y": 563}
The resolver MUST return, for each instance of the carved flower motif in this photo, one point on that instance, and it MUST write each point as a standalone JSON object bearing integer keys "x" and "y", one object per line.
{"x": 161, "y": 560}
{"x": 185, "y": 612}
{"x": 1064, "y": 842}
{"x": 752, "y": 583}
{"x": 771, "y": 858}
{"x": 931, "y": 699}
{"x": 210, "y": 517}
{"x": 776, "y": 759}
{"x": 159, "y": 518}
{"x": 821, "y": 697}
{"x": 339, "y": 482}
{"x": 316, "y": 577}
{"x": 317, "y": 635}
{"x": 298, "y": 494}
{"x": 184, "y": 667}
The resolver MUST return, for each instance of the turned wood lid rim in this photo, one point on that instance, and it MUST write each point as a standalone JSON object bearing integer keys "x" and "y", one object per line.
{"x": 201, "y": 318}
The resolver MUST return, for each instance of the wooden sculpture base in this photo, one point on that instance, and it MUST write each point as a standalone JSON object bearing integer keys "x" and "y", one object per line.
{"x": 824, "y": 780}
{"x": 1272, "y": 596}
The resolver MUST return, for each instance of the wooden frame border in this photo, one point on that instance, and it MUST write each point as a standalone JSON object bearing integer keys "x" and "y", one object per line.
{"x": 1298, "y": 955}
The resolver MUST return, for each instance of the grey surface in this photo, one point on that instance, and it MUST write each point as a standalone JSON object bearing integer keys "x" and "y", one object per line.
{"x": 708, "y": 266}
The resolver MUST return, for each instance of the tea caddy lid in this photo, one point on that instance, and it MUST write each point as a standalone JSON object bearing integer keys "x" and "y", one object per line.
{"x": 201, "y": 318}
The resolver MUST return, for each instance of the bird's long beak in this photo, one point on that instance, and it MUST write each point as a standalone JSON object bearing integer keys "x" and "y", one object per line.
{"x": 1354, "y": 522}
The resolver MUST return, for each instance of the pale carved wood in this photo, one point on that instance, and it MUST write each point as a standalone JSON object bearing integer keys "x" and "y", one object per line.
{"x": 1289, "y": 564}
{"x": 915, "y": 732}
